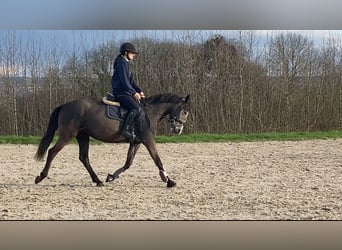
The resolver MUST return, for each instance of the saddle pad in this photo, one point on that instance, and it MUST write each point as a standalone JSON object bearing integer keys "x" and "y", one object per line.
{"x": 114, "y": 112}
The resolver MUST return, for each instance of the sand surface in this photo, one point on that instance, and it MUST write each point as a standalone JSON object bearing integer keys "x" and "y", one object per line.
{"x": 215, "y": 181}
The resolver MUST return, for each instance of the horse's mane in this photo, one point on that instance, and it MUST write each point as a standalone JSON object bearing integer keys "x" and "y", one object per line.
{"x": 164, "y": 98}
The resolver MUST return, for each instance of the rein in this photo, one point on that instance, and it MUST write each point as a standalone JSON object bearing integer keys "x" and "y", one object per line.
{"x": 171, "y": 120}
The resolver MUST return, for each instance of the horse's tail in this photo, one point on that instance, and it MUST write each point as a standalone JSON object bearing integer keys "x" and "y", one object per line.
{"x": 49, "y": 134}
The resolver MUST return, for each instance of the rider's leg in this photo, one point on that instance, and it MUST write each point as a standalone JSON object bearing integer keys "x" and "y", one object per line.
{"x": 133, "y": 108}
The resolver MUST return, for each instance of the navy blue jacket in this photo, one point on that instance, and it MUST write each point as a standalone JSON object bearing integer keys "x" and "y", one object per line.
{"x": 122, "y": 79}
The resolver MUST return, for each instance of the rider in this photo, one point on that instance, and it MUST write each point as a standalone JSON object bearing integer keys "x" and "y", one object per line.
{"x": 125, "y": 89}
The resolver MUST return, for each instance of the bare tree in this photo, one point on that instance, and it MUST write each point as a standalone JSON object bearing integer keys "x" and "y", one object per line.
{"x": 238, "y": 84}
{"x": 9, "y": 64}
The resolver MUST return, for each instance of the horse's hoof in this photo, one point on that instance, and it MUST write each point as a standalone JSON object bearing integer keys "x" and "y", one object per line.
{"x": 171, "y": 183}
{"x": 37, "y": 180}
{"x": 110, "y": 178}
{"x": 100, "y": 184}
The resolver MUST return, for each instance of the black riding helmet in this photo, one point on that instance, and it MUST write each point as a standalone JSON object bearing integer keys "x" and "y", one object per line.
{"x": 128, "y": 47}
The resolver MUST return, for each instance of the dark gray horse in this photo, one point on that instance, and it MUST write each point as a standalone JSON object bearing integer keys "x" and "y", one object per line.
{"x": 83, "y": 118}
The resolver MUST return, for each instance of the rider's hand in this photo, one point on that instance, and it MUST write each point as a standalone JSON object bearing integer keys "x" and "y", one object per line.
{"x": 142, "y": 95}
{"x": 137, "y": 96}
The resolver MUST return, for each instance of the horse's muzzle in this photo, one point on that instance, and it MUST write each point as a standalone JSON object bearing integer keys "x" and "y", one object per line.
{"x": 176, "y": 127}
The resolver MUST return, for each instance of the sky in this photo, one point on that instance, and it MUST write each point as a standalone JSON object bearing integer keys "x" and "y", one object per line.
{"x": 93, "y": 38}
{"x": 85, "y": 40}
{"x": 96, "y": 22}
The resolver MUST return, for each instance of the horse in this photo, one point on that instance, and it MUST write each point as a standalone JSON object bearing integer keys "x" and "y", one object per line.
{"x": 84, "y": 119}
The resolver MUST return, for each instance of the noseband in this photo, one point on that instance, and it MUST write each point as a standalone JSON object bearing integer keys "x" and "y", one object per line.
{"x": 172, "y": 120}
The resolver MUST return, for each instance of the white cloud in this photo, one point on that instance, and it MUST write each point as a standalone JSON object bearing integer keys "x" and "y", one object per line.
{"x": 8, "y": 71}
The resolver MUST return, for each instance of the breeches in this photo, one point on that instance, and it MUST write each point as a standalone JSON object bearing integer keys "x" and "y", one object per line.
{"x": 128, "y": 102}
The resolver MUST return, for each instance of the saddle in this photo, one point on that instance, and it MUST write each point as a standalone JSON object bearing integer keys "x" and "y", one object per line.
{"x": 114, "y": 110}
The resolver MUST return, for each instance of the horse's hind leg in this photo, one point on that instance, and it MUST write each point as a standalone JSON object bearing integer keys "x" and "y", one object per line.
{"x": 83, "y": 142}
{"x": 51, "y": 155}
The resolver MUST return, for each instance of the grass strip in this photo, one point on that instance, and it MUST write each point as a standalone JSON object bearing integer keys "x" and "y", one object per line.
{"x": 205, "y": 137}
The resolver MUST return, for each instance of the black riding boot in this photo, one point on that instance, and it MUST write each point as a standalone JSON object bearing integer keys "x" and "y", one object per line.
{"x": 128, "y": 126}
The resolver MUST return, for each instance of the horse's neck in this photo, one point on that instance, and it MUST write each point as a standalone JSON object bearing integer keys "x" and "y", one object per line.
{"x": 162, "y": 108}
{"x": 155, "y": 111}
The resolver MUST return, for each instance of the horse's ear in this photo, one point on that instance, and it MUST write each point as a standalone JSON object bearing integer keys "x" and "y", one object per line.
{"x": 186, "y": 99}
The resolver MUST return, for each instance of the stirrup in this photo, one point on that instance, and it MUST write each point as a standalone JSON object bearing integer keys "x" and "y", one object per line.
{"x": 130, "y": 136}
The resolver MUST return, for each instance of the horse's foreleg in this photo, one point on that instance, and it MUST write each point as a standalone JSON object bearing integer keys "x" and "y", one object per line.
{"x": 83, "y": 142}
{"x": 133, "y": 148}
{"x": 152, "y": 149}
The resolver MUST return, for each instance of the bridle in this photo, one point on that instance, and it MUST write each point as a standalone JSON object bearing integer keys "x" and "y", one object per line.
{"x": 173, "y": 120}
